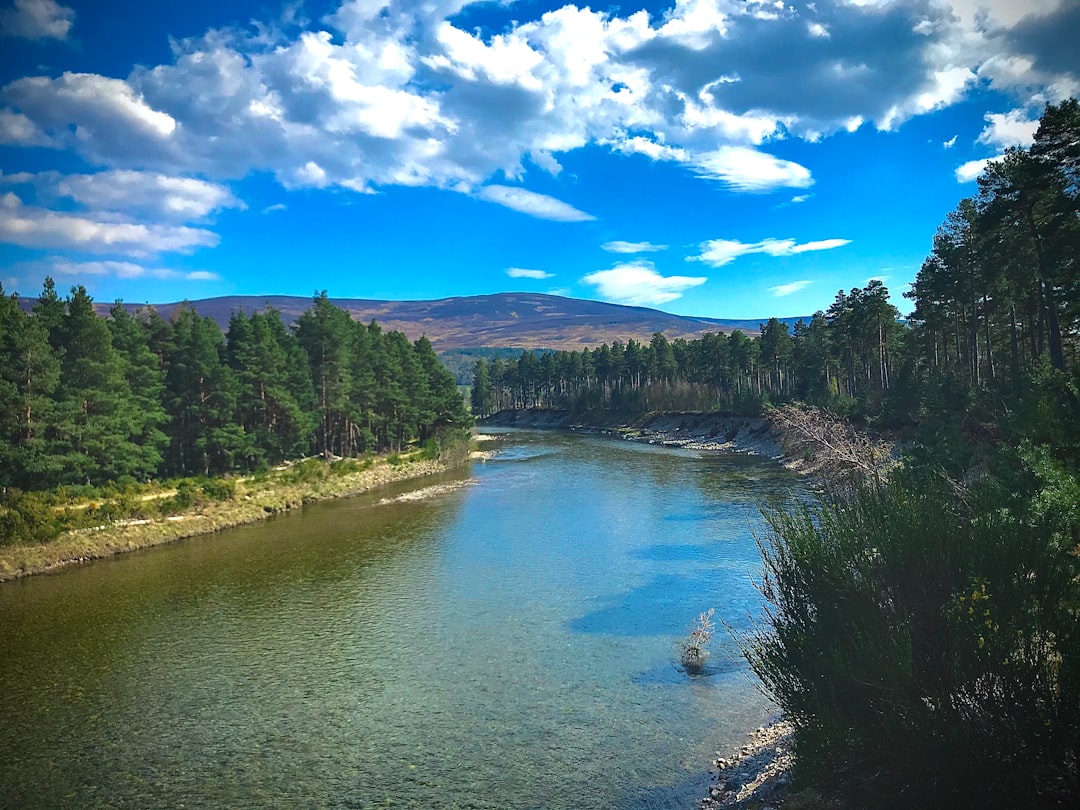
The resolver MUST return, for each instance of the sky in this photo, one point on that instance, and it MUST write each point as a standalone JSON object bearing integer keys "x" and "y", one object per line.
{"x": 718, "y": 158}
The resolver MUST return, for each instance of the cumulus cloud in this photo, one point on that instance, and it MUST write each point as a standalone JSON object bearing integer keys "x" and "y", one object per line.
{"x": 397, "y": 94}
{"x": 521, "y": 272}
{"x": 781, "y": 290}
{"x": 37, "y": 19}
{"x": 18, "y": 130}
{"x": 719, "y": 252}
{"x": 1013, "y": 128}
{"x": 103, "y": 118}
{"x": 639, "y": 284}
{"x": 31, "y": 226}
{"x": 967, "y": 172}
{"x": 1002, "y": 130}
{"x": 619, "y": 246}
{"x": 533, "y": 204}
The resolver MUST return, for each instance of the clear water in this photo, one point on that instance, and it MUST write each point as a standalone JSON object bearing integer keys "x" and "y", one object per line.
{"x": 511, "y": 643}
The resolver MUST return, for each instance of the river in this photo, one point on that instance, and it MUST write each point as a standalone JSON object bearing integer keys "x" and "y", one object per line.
{"x": 509, "y": 642}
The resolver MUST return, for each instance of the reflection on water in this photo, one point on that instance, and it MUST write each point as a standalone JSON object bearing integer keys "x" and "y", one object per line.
{"x": 511, "y": 644}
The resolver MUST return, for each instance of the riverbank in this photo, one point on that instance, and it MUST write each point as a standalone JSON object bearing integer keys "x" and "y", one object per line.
{"x": 718, "y": 432}
{"x": 807, "y": 441}
{"x": 255, "y": 498}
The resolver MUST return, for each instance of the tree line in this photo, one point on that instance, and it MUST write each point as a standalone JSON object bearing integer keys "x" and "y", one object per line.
{"x": 92, "y": 400}
{"x": 842, "y": 358}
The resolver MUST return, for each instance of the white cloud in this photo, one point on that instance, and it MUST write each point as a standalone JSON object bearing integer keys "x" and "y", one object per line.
{"x": 546, "y": 161}
{"x": 102, "y": 118}
{"x": 619, "y": 246}
{"x": 31, "y": 226}
{"x": 177, "y": 199}
{"x": 37, "y": 19}
{"x": 949, "y": 144}
{"x": 651, "y": 149}
{"x": 126, "y": 270}
{"x": 967, "y": 172}
{"x": 799, "y": 198}
{"x": 398, "y": 95}
{"x": 521, "y": 272}
{"x": 719, "y": 252}
{"x": 745, "y": 169}
{"x": 533, "y": 204}
{"x": 639, "y": 284}
{"x": 18, "y": 130}
{"x": 782, "y": 290}
{"x": 275, "y": 207}
{"x": 1013, "y": 128}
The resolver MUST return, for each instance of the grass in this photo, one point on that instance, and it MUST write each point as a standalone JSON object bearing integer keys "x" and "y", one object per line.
{"x": 151, "y": 515}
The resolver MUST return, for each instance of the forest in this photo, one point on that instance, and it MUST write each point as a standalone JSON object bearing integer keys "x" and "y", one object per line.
{"x": 86, "y": 400}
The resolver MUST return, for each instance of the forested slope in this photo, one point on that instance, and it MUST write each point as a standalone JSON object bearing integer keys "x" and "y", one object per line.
{"x": 91, "y": 400}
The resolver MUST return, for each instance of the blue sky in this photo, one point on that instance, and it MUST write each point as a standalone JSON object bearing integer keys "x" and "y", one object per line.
{"x": 722, "y": 158}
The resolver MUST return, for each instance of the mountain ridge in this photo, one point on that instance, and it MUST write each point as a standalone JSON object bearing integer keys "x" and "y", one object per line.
{"x": 511, "y": 320}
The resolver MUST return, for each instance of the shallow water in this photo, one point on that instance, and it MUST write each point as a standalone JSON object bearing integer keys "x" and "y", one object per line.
{"x": 507, "y": 644}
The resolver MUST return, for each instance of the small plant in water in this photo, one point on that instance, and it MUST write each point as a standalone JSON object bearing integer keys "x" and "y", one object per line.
{"x": 695, "y": 650}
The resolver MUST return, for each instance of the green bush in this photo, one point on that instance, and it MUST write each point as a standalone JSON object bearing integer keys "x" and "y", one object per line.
{"x": 924, "y": 642}
{"x": 28, "y": 517}
{"x": 308, "y": 470}
{"x": 219, "y": 489}
{"x": 187, "y": 492}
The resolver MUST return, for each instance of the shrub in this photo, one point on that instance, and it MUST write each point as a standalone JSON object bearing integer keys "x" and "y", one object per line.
{"x": 219, "y": 489}
{"x": 924, "y": 642}
{"x": 308, "y": 470}
{"x": 28, "y": 517}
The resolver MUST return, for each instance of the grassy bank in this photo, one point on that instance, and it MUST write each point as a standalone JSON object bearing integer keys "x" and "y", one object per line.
{"x": 172, "y": 513}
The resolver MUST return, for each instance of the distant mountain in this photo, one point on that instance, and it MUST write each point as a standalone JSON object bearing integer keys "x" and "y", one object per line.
{"x": 521, "y": 320}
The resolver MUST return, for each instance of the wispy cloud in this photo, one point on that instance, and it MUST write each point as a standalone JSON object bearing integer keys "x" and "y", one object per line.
{"x": 533, "y": 204}
{"x": 57, "y": 265}
{"x": 619, "y": 246}
{"x": 746, "y": 169}
{"x": 275, "y": 207}
{"x": 521, "y": 272}
{"x": 30, "y": 226}
{"x": 718, "y": 252}
{"x": 949, "y": 144}
{"x": 781, "y": 290}
{"x": 639, "y": 284}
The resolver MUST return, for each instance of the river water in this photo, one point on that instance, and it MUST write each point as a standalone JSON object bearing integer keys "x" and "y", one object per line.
{"x": 508, "y": 642}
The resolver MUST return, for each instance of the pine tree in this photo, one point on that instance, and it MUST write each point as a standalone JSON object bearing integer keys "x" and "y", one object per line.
{"x": 29, "y": 375}
{"x": 146, "y": 380}
{"x": 201, "y": 395}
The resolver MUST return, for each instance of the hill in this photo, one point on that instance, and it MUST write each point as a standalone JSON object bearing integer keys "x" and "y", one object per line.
{"x": 520, "y": 320}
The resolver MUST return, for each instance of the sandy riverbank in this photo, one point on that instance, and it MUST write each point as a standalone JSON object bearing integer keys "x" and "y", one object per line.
{"x": 255, "y": 499}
